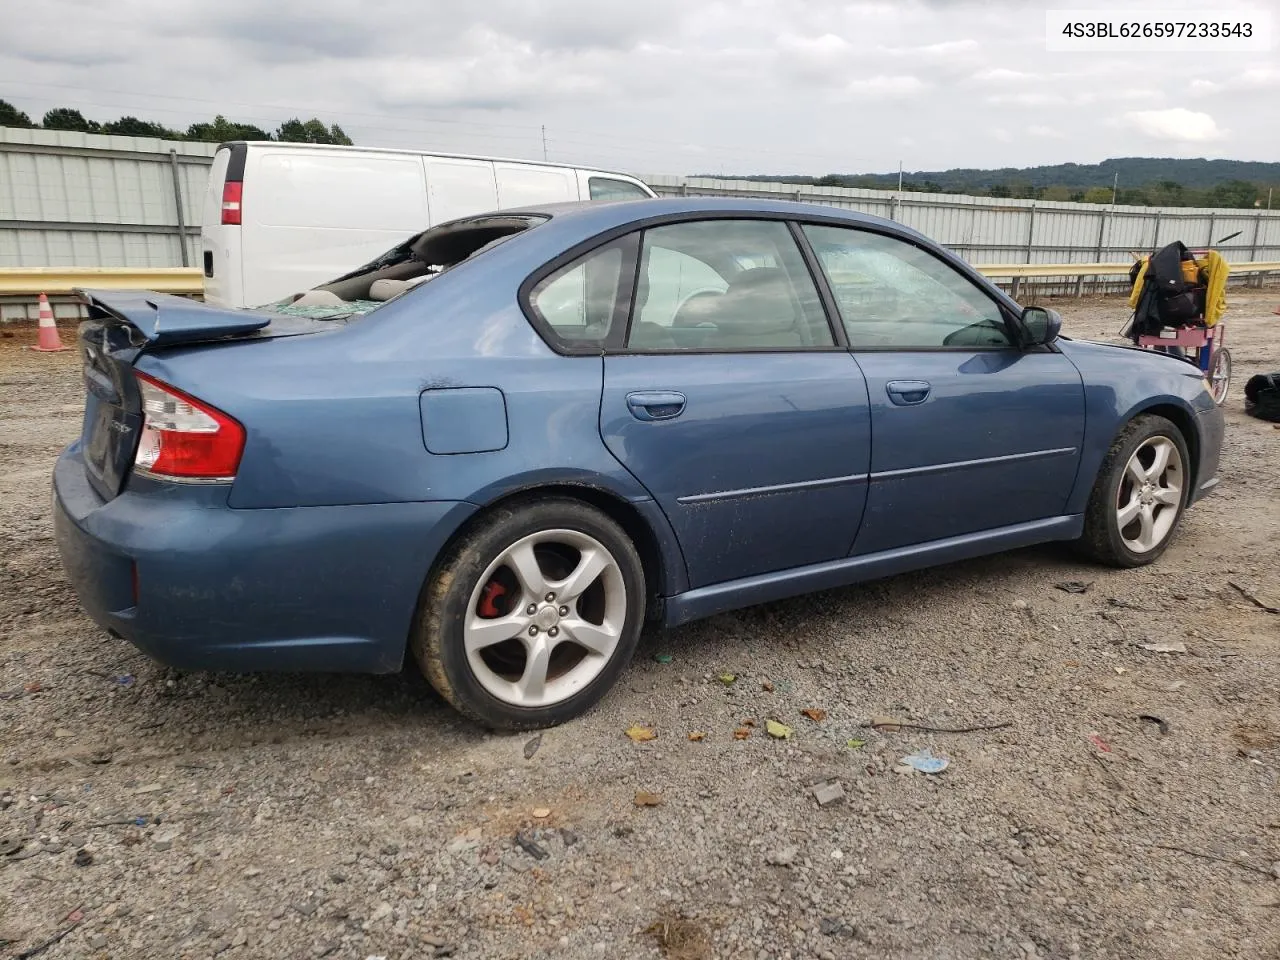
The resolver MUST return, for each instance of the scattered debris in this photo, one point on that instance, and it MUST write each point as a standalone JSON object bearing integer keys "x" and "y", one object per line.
{"x": 767, "y": 687}
{"x": 1165, "y": 646}
{"x": 697, "y": 736}
{"x": 828, "y": 793}
{"x": 855, "y": 744}
{"x": 680, "y": 939}
{"x": 727, "y": 678}
{"x": 1073, "y": 586}
{"x": 531, "y": 846}
{"x": 924, "y": 761}
{"x": 83, "y": 858}
{"x": 663, "y": 657}
{"x": 1162, "y": 724}
{"x": 1248, "y": 595}
{"x": 646, "y": 799}
{"x": 568, "y": 836}
{"x": 541, "y": 813}
{"x": 1254, "y": 736}
{"x": 40, "y": 948}
{"x": 814, "y": 714}
{"x": 532, "y": 746}
{"x": 748, "y": 722}
{"x": 890, "y": 725}
{"x": 1126, "y": 605}
{"x": 741, "y": 733}
{"x": 641, "y": 734}
{"x": 10, "y": 846}
{"x": 35, "y": 686}
{"x": 1098, "y": 742}
{"x": 163, "y": 839}
{"x": 779, "y": 731}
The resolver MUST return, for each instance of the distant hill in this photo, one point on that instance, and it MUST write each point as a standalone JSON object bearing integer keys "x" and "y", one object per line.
{"x": 1144, "y": 180}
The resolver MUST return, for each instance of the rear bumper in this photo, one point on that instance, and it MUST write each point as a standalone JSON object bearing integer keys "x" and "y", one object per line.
{"x": 198, "y": 585}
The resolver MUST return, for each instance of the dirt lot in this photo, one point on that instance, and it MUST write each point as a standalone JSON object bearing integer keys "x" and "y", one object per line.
{"x": 146, "y": 813}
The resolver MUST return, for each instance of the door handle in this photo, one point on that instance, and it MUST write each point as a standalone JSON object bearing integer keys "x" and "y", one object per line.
{"x": 906, "y": 393}
{"x": 657, "y": 405}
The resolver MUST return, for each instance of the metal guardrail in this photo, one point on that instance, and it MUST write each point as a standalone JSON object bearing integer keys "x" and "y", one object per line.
{"x": 187, "y": 281}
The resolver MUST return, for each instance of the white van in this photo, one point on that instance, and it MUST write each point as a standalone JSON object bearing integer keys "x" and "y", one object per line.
{"x": 280, "y": 218}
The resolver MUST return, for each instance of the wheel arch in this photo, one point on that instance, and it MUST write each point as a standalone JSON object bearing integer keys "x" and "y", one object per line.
{"x": 643, "y": 523}
{"x": 1182, "y": 418}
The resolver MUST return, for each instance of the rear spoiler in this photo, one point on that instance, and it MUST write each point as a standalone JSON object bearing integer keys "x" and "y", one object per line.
{"x": 165, "y": 319}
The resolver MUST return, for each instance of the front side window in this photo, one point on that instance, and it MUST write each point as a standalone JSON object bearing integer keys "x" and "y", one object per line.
{"x": 893, "y": 295}
{"x": 725, "y": 285}
{"x": 606, "y": 188}
{"x": 578, "y": 302}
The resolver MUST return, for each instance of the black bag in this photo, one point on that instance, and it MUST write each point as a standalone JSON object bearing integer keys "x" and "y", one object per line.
{"x": 1262, "y": 396}
{"x": 1167, "y": 300}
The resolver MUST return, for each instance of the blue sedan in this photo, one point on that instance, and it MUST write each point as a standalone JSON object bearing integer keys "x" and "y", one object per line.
{"x": 508, "y": 442}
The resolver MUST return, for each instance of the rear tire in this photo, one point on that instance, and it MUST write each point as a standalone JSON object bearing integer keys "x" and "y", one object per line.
{"x": 531, "y": 617}
{"x": 1220, "y": 375}
{"x": 1138, "y": 498}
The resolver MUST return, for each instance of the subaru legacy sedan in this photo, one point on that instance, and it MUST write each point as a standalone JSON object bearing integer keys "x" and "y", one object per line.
{"x": 503, "y": 446}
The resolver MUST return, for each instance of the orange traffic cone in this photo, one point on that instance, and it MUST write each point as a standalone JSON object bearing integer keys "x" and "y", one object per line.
{"x": 49, "y": 341}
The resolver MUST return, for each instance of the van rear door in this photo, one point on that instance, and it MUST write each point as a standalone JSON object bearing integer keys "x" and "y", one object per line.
{"x": 458, "y": 188}
{"x": 220, "y": 248}
{"x": 311, "y": 214}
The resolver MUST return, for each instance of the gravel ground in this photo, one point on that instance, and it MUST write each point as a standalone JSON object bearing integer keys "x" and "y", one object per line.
{"x": 148, "y": 813}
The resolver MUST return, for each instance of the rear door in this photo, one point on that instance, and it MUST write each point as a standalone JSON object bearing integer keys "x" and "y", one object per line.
{"x": 220, "y": 253}
{"x": 970, "y": 432}
{"x": 312, "y": 215}
{"x": 728, "y": 398}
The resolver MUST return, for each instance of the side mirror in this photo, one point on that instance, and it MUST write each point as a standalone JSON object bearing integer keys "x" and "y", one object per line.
{"x": 1040, "y": 325}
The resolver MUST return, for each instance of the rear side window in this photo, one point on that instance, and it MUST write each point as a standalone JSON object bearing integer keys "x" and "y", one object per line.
{"x": 725, "y": 285}
{"x": 606, "y": 188}
{"x": 580, "y": 301}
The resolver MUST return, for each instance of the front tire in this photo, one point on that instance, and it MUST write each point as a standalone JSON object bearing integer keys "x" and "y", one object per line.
{"x": 531, "y": 617}
{"x": 1139, "y": 495}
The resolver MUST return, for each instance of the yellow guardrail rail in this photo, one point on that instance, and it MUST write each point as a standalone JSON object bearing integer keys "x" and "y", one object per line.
{"x": 30, "y": 281}
{"x": 188, "y": 281}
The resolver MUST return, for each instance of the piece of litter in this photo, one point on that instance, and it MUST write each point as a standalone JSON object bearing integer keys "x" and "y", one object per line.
{"x": 767, "y": 687}
{"x": 1073, "y": 586}
{"x": 697, "y": 736}
{"x": 828, "y": 793}
{"x": 532, "y": 746}
{"x": 814, "y": 714}
{"x": 641, "y": 734}
{"x": 1122, "y": 670}
{"x": 1165, "y": 646}
{"x": 779, "y": 731}
{"x": 727, "y": 678}
{"x": 646, "y": 799}
{"x": 885, "y": 724}
{"x": 742, "y": 733}
{"x": 541, "y": 813}
{"x": 855, "y": 744}
{"x": 924, "y": 761}
{"x": 663, "y": 657}
{"x": 1098, "y": 742}
{"x": 1163, "y": 725}
{"x": 531, "y": 847}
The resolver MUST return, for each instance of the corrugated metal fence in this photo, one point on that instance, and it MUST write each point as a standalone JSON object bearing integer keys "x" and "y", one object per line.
{"x": 72, "y": 199}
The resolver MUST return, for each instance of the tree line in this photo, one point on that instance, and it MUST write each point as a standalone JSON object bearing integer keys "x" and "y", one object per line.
{"x": 217, "y": 130}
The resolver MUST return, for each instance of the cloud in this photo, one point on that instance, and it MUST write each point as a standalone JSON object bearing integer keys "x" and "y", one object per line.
{"x": 1003, "y": 75}
{"x": 1049, "y": 133}
{"x": 885, "y": 86}
{"x": 1254, "y": 78}
{"x": 1178, "y": 124}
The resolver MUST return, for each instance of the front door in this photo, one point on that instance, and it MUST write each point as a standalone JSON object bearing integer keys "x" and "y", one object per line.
{"x": 730, "y": 401}
{"x": 969, "y": 432}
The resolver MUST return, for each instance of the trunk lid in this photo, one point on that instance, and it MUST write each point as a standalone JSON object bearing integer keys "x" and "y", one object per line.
{"x": 122, "y": 325}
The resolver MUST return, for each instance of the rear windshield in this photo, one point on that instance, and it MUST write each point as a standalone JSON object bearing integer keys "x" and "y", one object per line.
{"x": 407, "y": 265}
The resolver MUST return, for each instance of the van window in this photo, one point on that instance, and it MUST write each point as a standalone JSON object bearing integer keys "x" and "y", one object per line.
{"x": 460, "y": 188}
{"x": 606, "y": 188}
{"x": 524, "y": 185}
{"x": 297, "y": 189}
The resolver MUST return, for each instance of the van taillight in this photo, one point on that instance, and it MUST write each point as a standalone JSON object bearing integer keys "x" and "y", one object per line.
{"x": 232, "y": 191}
{"x": 183, "y": 438}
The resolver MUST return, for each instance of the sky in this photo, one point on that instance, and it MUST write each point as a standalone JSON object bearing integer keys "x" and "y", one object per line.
{"x": 660, "y": 86}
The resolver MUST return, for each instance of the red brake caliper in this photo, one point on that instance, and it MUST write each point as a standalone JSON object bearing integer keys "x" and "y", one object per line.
{"x": 491, "y": 592}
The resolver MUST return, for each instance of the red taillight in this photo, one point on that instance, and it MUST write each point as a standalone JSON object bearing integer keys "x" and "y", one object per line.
{"x": 184, "y": 439}
{"x": 232, "y": 193}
